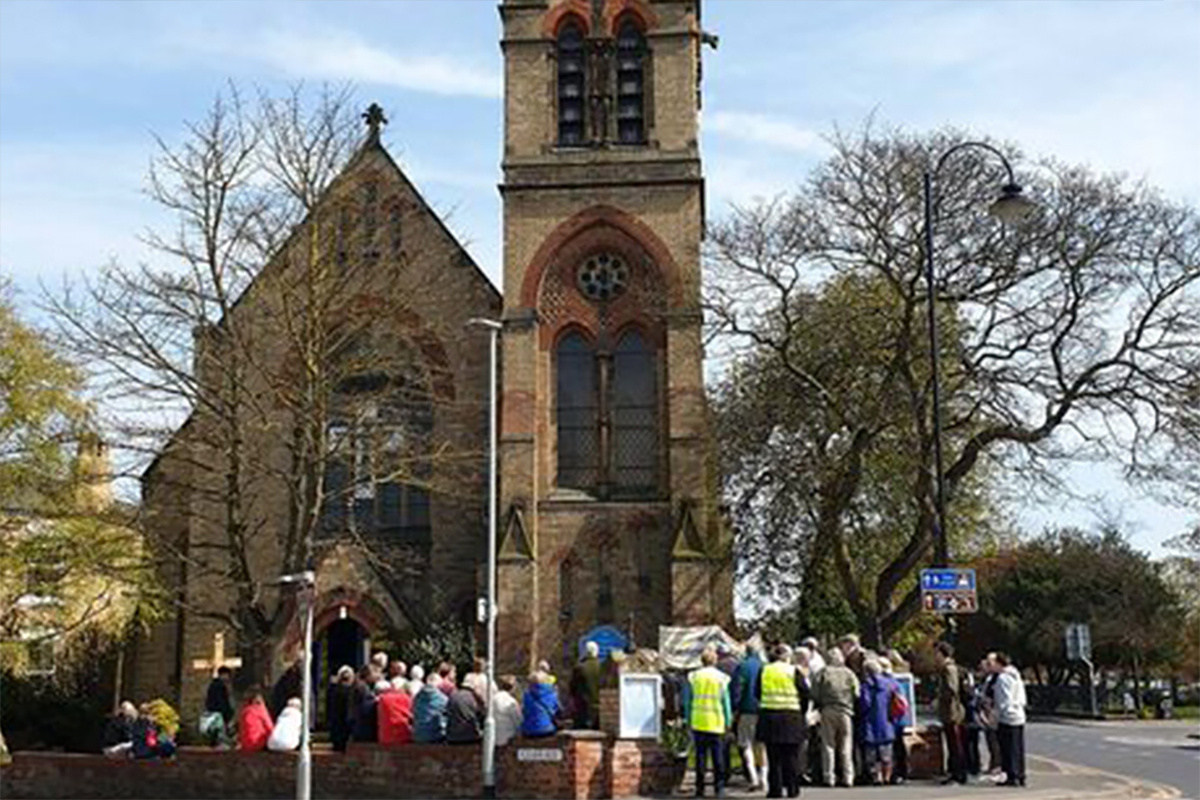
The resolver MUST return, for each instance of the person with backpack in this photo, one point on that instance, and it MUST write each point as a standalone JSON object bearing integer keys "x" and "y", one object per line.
{"x": 951, "y": 711}
{"x": 898, "y": 711}
{"x": 876, "y": 705}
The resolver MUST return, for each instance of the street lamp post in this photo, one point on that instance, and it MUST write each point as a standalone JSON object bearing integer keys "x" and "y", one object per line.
{"x": 305, "y": 583}
{"x": 1010, "y": 206}
{"x": 489, "y": 726}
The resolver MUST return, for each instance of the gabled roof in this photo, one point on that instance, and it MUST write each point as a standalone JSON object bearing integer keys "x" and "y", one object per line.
{"x": 370, "y": 145}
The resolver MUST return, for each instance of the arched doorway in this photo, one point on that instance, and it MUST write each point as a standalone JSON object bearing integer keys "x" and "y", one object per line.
{"x": 342, "y": 642}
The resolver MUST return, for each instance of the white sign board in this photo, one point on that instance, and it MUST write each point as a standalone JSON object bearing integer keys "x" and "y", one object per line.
{"x": 539, "y": 754}
{"x": 1079, "y": 642}
{"x": 641, "y": 706}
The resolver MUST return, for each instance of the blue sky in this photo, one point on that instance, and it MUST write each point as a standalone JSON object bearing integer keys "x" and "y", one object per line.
{"x": 83, "y": 85}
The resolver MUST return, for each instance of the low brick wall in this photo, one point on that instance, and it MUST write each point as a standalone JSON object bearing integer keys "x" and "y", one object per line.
{"x": 579, "y": 766}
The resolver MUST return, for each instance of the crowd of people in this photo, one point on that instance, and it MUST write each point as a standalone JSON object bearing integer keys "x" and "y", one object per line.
{"x": 133, "y": 732}
{"x": 838, "y": 717}
{"x": 386, "y": 702}
{"x": 805, "y": 715}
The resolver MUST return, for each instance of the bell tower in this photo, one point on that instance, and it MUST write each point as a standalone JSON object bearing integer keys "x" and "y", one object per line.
{"x": 609, "y": 489}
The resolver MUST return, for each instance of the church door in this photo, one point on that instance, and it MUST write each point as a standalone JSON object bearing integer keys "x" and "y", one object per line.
{"x": 344, "y": 643}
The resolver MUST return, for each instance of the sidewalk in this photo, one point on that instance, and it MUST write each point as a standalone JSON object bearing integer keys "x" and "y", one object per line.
{"x": 1048, "y": 780}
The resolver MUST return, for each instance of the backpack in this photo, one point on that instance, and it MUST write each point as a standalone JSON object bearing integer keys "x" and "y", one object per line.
{"x": 897, "y": 706}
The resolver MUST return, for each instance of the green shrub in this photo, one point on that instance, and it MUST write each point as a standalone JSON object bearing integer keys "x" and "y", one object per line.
{"x": 165, "y": 718}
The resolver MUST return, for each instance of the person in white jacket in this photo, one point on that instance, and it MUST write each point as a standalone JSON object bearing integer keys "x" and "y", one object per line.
{"x": 285, "y": 735}
{"x": 1010, "y": 719}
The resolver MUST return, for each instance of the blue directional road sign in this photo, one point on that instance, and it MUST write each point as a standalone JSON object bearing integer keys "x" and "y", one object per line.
{"x": 949, "y": 591}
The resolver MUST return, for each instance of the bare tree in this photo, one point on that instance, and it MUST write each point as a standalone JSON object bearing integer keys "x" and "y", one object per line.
{"x": 250, "y": 334}
{"x": 1067, "y": 338}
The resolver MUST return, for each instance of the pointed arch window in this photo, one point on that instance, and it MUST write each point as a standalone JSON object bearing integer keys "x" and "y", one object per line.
{"x": 378, "y": 467}
{"x": 578, "y": 414}
{"x": 607, "y": 403}
{"x": 634, "y": 414}
{"x": 631, "y": 83}
{"x": 572, "y": 84}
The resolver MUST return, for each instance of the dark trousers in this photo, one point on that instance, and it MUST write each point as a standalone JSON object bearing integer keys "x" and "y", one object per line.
{"x": 956, "y": 755}
{"x": 783, "y": 770}
{"x": 899, "y": 756}
{"x": 993, "y": 746}
{"x": 974, "y": 762}
{"x": 1012, "y": 752}
{"x": 706, "y": 744}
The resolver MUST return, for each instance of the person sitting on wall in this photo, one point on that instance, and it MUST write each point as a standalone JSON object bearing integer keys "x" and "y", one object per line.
{"x": 285, "y": 735}
{"x": 339, "y": 711}
{"x": 118, "y": 733}
{"x": 539, "y": 707}
{"x": 149, "y": 740}
{"x": 395, "y": 715}
{"x": 289, "y": 685}
{"x": 429, "y": 712}
{"x": 507, "y": 710}
{"x": 465, "y": 713}
{"x": 218, "y": 709}
{"x": 254, "y": 722}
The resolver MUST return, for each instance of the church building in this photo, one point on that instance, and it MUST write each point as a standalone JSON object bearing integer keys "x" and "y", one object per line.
{"x": 609, "y": 492}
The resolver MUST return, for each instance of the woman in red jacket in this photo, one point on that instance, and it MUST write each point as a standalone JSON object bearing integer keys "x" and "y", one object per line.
{"x": 254, "y": 722}
{"x": 395, "y": 717}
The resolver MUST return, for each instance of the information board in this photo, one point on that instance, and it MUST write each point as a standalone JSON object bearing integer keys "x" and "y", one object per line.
{"x": 949, "y": 590}
{"x": 641, "y": 706}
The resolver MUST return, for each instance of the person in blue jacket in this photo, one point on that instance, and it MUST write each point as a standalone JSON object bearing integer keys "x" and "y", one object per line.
{"x": 878, "y": 728}
{"x": 539, "y": 707}
{"x": 745, "y": 709}
{"x": 429, "y": 712}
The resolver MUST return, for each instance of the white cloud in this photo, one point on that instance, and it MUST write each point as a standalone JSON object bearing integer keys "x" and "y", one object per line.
{"x": 763, "y": 129}
{"x": 344, "y": 57}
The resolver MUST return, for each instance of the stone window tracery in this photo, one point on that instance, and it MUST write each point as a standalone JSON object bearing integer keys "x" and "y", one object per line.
{"x": 602, "y": 277}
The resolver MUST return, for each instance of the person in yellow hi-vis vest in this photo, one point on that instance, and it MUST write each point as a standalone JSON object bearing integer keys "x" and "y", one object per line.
{"x": 709, "y": 713}
{"x": 783, "y": 698}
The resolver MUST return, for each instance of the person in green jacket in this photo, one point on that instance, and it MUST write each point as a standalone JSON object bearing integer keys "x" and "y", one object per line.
{"x": 585, "y": 688}
{"x": 709, "y": 712}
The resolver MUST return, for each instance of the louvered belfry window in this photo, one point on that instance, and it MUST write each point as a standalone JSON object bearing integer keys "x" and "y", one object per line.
{"x": 572, "y": 85}
{"x": 631, "y": 87}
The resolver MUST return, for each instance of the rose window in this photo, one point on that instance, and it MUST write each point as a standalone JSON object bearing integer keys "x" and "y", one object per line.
{"x": 603, "y": 277}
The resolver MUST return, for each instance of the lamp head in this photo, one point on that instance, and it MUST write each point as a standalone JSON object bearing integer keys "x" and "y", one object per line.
{"x": 1012, "y": 205}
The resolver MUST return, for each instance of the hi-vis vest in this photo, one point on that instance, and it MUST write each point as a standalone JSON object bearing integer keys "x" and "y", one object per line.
{"x": 779, "y": 688}
{"x": 708, "y": 712}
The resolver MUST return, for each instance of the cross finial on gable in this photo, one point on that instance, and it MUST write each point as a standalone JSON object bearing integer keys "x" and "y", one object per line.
{"x": 374, "y": 118}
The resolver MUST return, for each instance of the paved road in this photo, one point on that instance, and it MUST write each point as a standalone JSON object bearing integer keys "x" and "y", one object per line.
{"x": 1154, "y": 751}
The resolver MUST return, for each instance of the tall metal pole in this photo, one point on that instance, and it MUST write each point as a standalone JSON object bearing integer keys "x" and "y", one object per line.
{"x": 489, "y": 725}
{"x": 306, "y": 586}
{"x": 941, "y": 552}
{"x": 304, "y": 765}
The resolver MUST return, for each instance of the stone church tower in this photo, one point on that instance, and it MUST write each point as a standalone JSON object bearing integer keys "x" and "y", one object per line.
{"x": 609, "y": 510}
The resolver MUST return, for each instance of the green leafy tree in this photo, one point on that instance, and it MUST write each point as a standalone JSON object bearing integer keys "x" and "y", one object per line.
{"x": 1028, "y": 595}
{"x": 1065, "y": 338}
{"x": 41, "y": 417}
